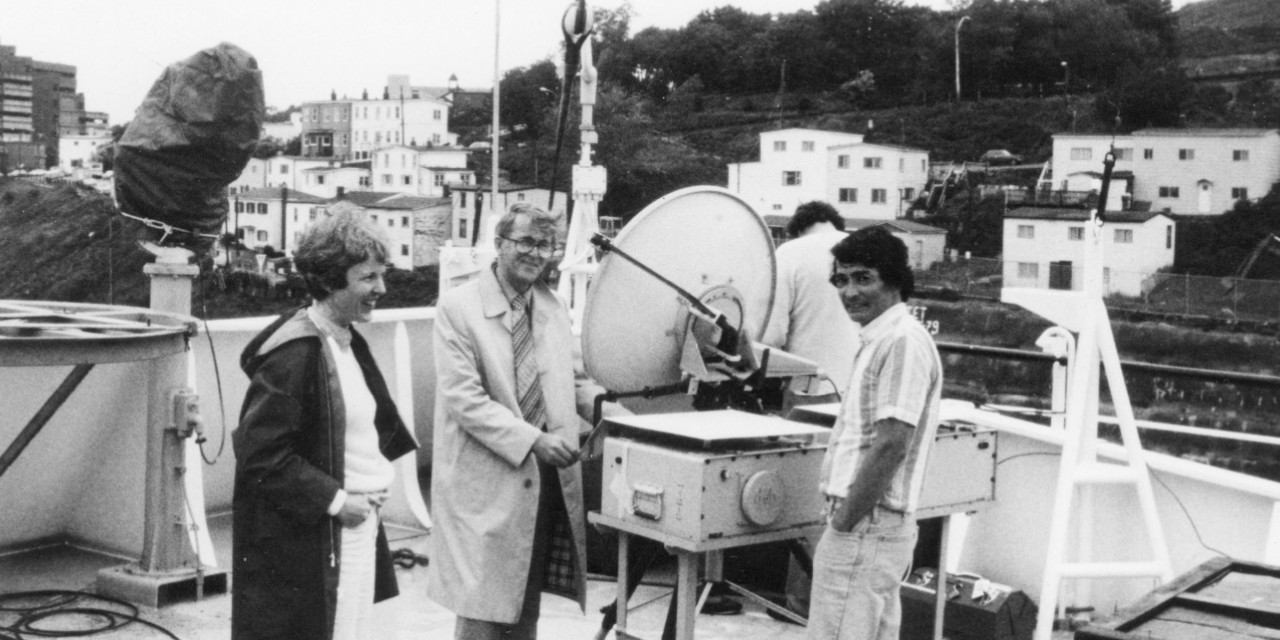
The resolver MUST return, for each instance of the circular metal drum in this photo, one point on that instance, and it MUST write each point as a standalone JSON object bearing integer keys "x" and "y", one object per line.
{"x": 700, "y": 238}
{"x": 39, "y": 333}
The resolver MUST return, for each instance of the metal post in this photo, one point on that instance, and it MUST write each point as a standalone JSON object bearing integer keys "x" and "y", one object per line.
{"x": 958, "y": 25}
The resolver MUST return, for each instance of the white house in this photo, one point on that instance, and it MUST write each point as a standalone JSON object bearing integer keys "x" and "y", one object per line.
{"x": 925, "y": 244}
{"x": 284, "y": 130}
{"x": 1181, "y": 171}
{"x": 419, "y": 171}
{"x": 415, "y": 122}
{"x": 253, "y": 176}
{"x": 417, "y": 227}
{"x": 76, "y": 151}
{"x": 332, "y": 182}
{"x": 860, "y": 179}
{"x": 1045, "y": 247}
{"x": 467, "y": 200}
{"x": 283, "y": 171}
{"x": 271, "y": 216}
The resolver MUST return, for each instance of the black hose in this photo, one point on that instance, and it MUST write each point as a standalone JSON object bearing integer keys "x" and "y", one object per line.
{"x": 57, "y": 604}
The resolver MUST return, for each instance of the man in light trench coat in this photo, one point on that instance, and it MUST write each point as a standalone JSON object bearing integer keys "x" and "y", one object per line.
{"x": 506, "y": 492}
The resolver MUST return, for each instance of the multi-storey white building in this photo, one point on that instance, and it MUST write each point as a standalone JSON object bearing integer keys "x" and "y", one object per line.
{"x": 1181, "y": 171}
{"x": 860, "y": 179}
{"x": 413, "y": 122}
{"x": 416, "y": 227}
{"x": 76, "y": 151}
{"x": 333, "y": 182}
{"x": 253, "y": 176}
{"x": 467, "y": 200}
{"x": 269, "y": 216}
{"x": 278, "y": 171}
{"x": 419, "y": 171}
{"x": 1045, "y": 247}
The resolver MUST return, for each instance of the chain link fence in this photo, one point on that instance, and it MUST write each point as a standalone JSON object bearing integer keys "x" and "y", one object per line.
{"x": 1232, "y": 299}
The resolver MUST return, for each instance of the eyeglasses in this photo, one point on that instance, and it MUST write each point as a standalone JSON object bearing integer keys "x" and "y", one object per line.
{"x": 860, "y": 278}
{"x": 525, "y": 245}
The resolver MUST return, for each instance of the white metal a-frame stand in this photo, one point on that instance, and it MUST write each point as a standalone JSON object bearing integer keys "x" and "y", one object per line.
{"x": 1083, "y": 312}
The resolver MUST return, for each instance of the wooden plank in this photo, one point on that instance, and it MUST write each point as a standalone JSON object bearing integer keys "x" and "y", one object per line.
{"x": 1151, "y": 604}
{"x": 1180, "y": 623}
{"x": 1260, "y": 614}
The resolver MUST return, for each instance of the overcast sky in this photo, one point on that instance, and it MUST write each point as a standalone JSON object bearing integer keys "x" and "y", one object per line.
{"x": 307, "y": 48}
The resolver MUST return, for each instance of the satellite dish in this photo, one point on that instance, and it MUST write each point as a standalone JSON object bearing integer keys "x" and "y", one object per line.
{"x": 705, "y": 240}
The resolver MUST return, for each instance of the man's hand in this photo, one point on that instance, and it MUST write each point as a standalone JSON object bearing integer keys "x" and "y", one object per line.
{"x": 354, "y": 511}
{"x": 552, "y": 449}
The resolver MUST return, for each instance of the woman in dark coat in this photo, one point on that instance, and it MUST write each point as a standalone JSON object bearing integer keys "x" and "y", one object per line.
{"x": 317, "y": 435}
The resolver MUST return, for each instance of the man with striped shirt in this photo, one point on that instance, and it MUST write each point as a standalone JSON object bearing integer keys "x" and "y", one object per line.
{"x": 874, "y": 464}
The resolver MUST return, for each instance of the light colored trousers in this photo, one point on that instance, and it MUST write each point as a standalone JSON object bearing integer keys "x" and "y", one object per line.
{"x": 856, "y": 577}
{"x": 353, "y": 618}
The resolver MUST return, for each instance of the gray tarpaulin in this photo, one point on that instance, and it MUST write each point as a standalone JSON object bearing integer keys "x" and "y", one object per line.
{"x": 191, "y": 137}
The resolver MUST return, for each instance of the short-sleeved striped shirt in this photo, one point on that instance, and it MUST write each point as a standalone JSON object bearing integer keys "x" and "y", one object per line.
{"x": 898, "y": 374}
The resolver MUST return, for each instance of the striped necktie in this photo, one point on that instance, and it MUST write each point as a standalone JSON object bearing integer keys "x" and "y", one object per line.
{"x": 527, "y": 388}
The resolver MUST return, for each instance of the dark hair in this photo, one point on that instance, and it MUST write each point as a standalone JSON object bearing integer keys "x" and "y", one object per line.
{"x": 329, "y": 248}
{"x": 876, "y": 248}
{"x": 811, "y": 213}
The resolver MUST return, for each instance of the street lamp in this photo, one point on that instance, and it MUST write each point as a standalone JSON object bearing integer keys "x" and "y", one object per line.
{"x": 959, "y": 24}
{"x": 1066, "y": 79}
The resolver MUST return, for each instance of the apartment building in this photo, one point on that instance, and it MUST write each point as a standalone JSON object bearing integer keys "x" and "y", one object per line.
{"x": 1044, "y": 248}
{"x": 1179, "y": 171}
{"x": 468, "y": 200}
{"x": 418, "y": 170}
{"x": 860, "y": 179}
{"x": 39, "y": 104}
{"x": 416, "y": 227}
{"x": 268, "y": 216}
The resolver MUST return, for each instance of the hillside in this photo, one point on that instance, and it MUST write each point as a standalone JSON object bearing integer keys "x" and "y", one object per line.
{"x": 1213, "y": 28}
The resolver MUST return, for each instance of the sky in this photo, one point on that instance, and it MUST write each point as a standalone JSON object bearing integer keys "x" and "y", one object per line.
{"x": 309, "y": 48}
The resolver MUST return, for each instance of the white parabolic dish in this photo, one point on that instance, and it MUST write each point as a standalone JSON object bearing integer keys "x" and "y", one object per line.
{"x": 699, "y": 238}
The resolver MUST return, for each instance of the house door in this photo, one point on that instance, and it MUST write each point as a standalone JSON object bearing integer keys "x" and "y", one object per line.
{"x": 1060, "y": 275}
{"x": 1206, "y": 196}
{"x": 919, "y": 261}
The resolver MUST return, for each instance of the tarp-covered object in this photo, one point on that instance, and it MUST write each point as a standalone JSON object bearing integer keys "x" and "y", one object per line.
{"x": 191, "y": 137}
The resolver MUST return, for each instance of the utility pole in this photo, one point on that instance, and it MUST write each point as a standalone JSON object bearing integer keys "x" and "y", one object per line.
{"x": 959, "y": 24}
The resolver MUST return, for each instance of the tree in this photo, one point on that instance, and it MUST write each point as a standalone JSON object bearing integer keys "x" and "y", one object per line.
{"x": 1145, "y": 96}
{"x": 528, "y": 93}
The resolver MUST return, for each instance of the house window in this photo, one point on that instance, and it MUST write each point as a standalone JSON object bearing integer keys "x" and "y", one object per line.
{"x": 1186, "y": 154}
{"x": 842, "y": 162}
{"x": 1168, "y": 192}
{"x": 879, "y": 196}
{"x": 1029, "y": 270}
{"x": 438, "y": 180}
{"x": 871, "y": 163}
{"x": 319, "y": 179}
{"x": 779, "y": 145}
{"x": 1026, "y": 231}
{"x": 313, "y": 214}
{"x": 374, "y": 217}
{"x": 239, "y": 207}
{"x": 1240, "y": 155}
{"x": 848, "y": 195}
{"x": 386, "y": 178}
{"x": 520, "y": 197}
{"x": 462, "y": 229}
{"x": 806, "y": 145}
{"x": 262, "y": 208}
{"x": 1168, "y": 237}
{"x": 435, "y": 115}
{"x": 284, "y": 168}
{"x": 1081, "y": 153}
{"x": 404, "y": 249}
{"x": 791, "y": 178}
{"x": 435, "y": 138}
{"x": 465, "y": 178}
{"x": 1124, "y": 154}
{"x": 391, "y": 222}
{"x": 777, "y": 207}
{"x": 1239, "y": 193}
{"x": 908, "y": 194}
{"x": 1075, "y": 233}
{"x": 1124, "y": 236}
{"x": 408, "y": 180}
{"x": 923, "y": 168}
{"x": 404, "y": 221}
{"x": 262, "y": 236}
{"x": 902, "y": 165}
{"x": 1148, "y": 154}
{"x": 463, "y": 197}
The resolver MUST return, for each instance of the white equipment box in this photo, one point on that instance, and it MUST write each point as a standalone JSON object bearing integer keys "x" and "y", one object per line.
{"x": 961, "y": 474}
{"x": 707, "y": 477}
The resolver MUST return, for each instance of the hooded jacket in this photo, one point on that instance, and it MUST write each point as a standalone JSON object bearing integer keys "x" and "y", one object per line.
{"x": 289, "y": 451}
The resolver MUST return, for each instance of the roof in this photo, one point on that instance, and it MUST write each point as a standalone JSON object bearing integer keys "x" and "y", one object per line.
{"x": 439, "y": 147}
{"x": 1081, "y": 215}
{"x": 410, "y": 203}
{"x": 1205, "y": 133}
{"x": 503, "y": 187}
{"x": 1123, "y": 174}
{"x": 327, "y": 169}
{"x": 877, "y": 144}
{"x": 901, "y": 226}
{"x": 367, "y": 198}
{"x": 445, "y": 168}
{"x": 276, "y": 193}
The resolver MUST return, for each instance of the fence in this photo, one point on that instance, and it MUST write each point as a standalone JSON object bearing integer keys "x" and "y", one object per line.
{"x": 1232, "y": 299}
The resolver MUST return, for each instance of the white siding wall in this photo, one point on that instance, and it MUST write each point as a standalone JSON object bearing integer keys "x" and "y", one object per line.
{"x": 1129, "y": 263}
{"x": 893, "y": 170}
